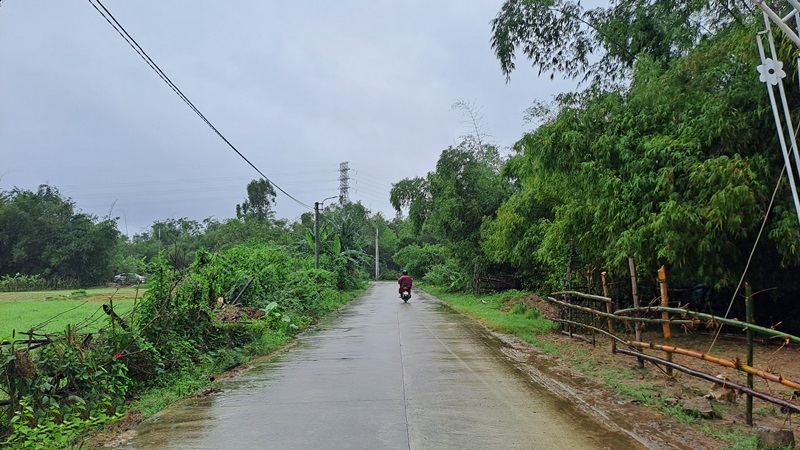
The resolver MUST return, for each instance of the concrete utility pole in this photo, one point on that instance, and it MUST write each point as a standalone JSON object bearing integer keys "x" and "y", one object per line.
{"x": 316, "y": 235}
{"x": 377, "y": 274}
{"x": 317, "y": 206}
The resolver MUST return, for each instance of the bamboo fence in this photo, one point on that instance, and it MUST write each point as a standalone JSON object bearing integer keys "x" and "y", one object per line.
{"x": 666, "y": 316}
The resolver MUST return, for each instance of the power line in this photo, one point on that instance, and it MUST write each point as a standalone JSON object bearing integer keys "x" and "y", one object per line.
{"x": 140, "y": 51}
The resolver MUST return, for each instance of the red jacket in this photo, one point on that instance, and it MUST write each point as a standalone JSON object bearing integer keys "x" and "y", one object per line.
{"x": 405, "y": 281}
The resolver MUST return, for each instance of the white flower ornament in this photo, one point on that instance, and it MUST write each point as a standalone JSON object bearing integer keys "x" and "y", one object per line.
{"x": 771, "y": 71}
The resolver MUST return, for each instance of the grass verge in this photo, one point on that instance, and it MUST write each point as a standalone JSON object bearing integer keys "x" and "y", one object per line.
{"x": 495, "y": 312}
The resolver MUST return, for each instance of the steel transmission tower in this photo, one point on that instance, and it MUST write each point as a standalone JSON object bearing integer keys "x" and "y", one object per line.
{"x": 344, "y": 182}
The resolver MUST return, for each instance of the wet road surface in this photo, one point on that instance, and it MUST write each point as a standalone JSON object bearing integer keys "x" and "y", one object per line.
{"x": 382, "y": 374}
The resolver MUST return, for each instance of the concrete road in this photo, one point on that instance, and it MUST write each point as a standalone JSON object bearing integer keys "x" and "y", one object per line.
{"x": 382, "y": 374}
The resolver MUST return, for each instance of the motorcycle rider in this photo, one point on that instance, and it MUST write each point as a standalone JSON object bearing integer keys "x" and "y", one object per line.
{"x": 405, "y": 281}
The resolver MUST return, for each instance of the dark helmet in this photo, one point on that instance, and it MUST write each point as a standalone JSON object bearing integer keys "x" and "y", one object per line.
{"x": 405, "y": 272}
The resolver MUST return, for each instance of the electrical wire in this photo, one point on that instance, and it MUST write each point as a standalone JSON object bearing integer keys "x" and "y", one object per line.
{"x": 140, "y": 51}
{"x": 750, "y": 259}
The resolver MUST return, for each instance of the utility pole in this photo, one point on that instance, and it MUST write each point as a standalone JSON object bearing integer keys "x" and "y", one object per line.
{"x": 316, "y": 235}
{"x": 377, "y": 273}
{"x": 317, "y": 206}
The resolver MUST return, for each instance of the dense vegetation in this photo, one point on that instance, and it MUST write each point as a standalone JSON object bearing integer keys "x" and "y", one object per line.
{"x": 217, "y": 293}
{"x": 668, "y": 155}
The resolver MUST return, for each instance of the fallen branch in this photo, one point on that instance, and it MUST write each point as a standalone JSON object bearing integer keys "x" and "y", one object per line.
{"x": 114, "y": 316}
{"x": 27, "y": 341}
{"x": 577, "y": 336}
{"x": 236, "y": 300}
{"x": 725, "y": 383}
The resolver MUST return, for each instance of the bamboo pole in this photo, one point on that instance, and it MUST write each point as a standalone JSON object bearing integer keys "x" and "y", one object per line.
{"x": 744, "y": 389}
{"x": 748, "y": 291}
{"x": 731, "y": 322}
{"x": 581, "y": 294}
{"x": 635, "y": 291}
{"x": 569, "y": 280}
{"x": 601, "y": 331}
{"x": 623, "y": 318}
{"x": 733, "y": 364}
{"x": 662, "y": 282}
{"x": 609, "y": 309}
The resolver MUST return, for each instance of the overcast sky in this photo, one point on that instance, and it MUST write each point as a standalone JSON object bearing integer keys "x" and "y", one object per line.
{"x": 297, "y": 87}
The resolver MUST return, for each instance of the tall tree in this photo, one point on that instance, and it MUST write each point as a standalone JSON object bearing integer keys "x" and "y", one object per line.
{"x": 42, "y": 234}
{"x": 603, "y": 43}
{"x": 450, "y": 204}
{"x": 676, "y": 169}
{"x": 260, "y": 198}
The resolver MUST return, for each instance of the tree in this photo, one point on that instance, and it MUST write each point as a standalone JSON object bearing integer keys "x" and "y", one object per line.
{"x": 42, "y": 234}
{"x": 260, "y": 198}
{"x": 465, "y": 188}
{"x": 414, "y": 195}
{"x": 604, "y": 43}
{"x": 448, "y": 206}
{"x": 677, "y": 169}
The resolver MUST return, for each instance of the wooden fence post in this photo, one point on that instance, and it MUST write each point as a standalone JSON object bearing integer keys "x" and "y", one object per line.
{"x": 635, "y": 289}
{"x": 476, "y": 279}
{"x": 662, "y": 281}
{"x": 748, "y": 291}
{"x": 568, "y": 283}
{"x": 609, "y": 309}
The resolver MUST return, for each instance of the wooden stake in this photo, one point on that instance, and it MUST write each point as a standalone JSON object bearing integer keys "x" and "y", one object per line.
{"x": 609, "y": 310}
{"x": 635, "y": 289}
{"x": 662, "y": 281}
{"x": 748, "y": 292}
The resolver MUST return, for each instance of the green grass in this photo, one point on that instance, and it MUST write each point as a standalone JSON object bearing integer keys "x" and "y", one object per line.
{"x": 520, "y": 321}
{"x": 734, "y": 438}
{"x": 22, "y": 311}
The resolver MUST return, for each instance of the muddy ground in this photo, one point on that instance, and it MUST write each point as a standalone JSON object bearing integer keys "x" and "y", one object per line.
{"x": 646, "y": 400}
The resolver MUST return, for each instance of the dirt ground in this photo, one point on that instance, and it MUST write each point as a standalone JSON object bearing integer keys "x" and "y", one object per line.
{"x": 582, "y": 371}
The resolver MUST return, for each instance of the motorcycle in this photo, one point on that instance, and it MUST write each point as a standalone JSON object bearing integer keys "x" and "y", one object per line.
{"x": 405, "y": 294}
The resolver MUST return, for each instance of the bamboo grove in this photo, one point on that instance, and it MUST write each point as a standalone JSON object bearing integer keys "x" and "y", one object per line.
{"x": 668, "y": 154}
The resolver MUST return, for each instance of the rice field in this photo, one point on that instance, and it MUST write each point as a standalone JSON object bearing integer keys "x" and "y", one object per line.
{"x": 52, "y": 311}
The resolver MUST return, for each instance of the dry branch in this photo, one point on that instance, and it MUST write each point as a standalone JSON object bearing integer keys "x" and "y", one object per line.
{"x": 27, "y": 341}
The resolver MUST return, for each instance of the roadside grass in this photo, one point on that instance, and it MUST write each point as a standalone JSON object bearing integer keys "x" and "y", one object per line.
{"x": 196, "y": 378}
{"x": 520, "y": 320}
{"x": 52, "y": 311}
